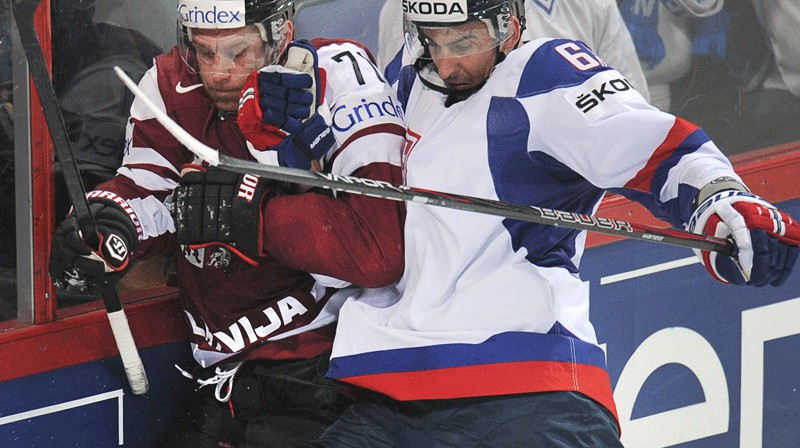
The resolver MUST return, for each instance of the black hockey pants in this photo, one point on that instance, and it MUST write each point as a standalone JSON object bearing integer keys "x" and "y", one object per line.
{"x": 273, "y": 404}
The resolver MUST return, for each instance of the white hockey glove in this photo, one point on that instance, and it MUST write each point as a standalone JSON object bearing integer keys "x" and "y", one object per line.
{"x": 767, "y": 240}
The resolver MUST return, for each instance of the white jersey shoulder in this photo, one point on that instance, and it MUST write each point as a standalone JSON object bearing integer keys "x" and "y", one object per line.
{"x": 366, "y": 118}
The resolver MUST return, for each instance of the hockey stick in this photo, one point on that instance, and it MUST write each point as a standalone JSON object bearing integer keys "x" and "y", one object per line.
{"x": 381, "y": 189}
{"x": 24, "y": 11}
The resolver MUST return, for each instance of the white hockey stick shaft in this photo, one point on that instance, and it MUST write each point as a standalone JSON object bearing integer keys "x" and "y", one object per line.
{"x": 134, "y": 368}
{"x": 381, "y": 189}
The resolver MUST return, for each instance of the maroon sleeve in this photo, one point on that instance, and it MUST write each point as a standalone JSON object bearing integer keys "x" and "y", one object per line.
{"x": 354, "y": 238}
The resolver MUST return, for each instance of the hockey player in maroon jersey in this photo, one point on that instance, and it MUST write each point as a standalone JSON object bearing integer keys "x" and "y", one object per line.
{"x": 261, "y": 316}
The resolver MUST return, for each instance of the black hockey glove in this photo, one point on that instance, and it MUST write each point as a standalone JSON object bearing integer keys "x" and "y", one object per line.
{"x": 72, "y": 262}
{"x": 216, "y": 207}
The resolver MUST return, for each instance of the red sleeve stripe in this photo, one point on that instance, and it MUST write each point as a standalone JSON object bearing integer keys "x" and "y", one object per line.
{"x": 679, "y": 132}
{"x": 388, "y": 128}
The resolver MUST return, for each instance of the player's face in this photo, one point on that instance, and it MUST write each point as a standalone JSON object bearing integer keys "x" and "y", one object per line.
{"x": 225, "y": 58}
{"x": 464, "y": 55}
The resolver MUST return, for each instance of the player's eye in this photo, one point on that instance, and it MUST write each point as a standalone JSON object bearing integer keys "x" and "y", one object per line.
{"x": 461, "y": 48}
{"x": 205, "y": 54}
{"x": 241, "y": 56}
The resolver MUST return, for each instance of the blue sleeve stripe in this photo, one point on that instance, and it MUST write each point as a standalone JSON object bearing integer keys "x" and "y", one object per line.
{"x": 689, "y": 145}
{"x": 675, "y": 211}
{"x": 534, "y": 178}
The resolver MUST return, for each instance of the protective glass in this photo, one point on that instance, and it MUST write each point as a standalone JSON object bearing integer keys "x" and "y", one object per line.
{"x": 440, "y": 40}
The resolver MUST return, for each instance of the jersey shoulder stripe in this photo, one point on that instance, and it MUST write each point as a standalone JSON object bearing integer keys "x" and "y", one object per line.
{"x": 555, "y": 64}
{"x": 392, "y": 70}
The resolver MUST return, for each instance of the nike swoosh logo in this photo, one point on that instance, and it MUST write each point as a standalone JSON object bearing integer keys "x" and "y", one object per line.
{"x": 181, "y": 89}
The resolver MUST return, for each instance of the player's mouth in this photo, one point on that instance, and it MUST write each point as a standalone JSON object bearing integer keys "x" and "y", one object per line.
{"x": 460, "y": 86}
{"x": 225, "y": 93}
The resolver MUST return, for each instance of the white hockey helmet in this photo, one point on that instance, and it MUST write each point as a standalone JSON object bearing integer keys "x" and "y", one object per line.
{"x": 419, "y": 17}
{"x": 268, "y": 17}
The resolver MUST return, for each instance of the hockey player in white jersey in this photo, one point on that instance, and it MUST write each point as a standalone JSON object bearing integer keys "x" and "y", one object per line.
{"x": 780, "y": 19}
{"x": 486, "y": 340}
{"x": 662, "y": 33}
{"x": 597, "y": 23}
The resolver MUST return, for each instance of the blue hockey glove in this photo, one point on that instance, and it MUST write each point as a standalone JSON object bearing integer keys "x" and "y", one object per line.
{"x": 216, "y": 207}
{"x": 280, "y": 101}
{"x": 313, "y": 141}
{"x": 767, "y": 240}
{"x": 72, "y": 262}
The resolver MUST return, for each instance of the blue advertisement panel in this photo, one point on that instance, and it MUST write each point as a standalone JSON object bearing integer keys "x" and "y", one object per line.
{"x": 694, "y": 362}
{"x": 90, "y": 405}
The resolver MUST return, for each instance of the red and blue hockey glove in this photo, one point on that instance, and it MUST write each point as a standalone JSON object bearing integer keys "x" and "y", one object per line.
{"x": 767, "y": 240}
{"x": 72, "y": 262}
{"x": 287, "y": 100}
{"x": 310, "y": 144}
{"x": 219, "y": 208}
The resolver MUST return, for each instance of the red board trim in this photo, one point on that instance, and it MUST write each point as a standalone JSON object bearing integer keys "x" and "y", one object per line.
{"x": 87, "y": 337}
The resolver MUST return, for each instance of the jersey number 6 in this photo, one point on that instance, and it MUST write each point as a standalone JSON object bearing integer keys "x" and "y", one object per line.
{"x": 578, "y": 56}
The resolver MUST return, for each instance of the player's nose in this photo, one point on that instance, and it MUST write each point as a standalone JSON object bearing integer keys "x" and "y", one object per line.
{"x": 448, "y": 69}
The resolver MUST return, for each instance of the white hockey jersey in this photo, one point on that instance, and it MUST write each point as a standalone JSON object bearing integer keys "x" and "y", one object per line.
{"x": 493, "y": 306}
{"x": 778, "y": 19}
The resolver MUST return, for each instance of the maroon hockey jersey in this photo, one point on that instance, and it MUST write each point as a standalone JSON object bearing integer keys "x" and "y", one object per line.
{"x": 275, "y": 310}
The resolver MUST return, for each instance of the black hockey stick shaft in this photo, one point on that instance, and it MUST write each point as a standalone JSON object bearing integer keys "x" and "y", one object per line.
{"x": 529, "y": 213}
{"x": 24, "y": 11}
{"x": 381, "y": 189}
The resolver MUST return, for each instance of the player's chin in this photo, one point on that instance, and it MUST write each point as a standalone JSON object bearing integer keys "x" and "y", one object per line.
{"x": 227, "y": 101}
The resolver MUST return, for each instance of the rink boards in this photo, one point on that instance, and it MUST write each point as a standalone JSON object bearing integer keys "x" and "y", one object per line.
{"x": 691, "y": 359}
{"x": 693, "y": 363}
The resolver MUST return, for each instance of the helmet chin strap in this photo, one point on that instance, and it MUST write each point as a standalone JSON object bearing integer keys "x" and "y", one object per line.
{"x": 431, "y": 79}
{"x": 457, "y": 96}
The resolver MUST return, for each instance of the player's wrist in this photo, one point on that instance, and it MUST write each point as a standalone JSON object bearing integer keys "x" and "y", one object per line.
{"x": 715, "y": 186}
